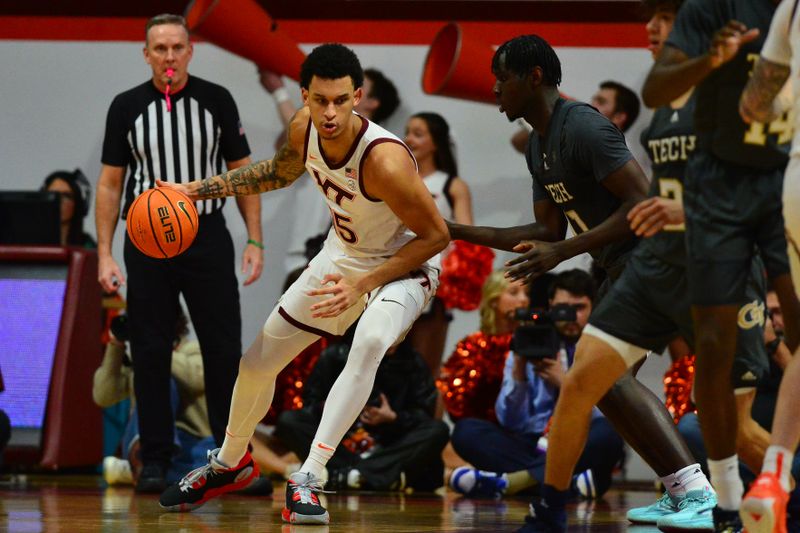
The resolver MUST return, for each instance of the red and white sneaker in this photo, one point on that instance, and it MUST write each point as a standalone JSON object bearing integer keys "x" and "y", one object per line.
{"x": 209, "y": 481}
{"x": 302, "y": 502}
{"x": 763, "y": 509}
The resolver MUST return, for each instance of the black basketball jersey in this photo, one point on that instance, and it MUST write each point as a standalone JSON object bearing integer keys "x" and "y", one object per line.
{"x": 568, "y": 165}
{"x": 669, "y": 140}
{"x": 719, "y": 128}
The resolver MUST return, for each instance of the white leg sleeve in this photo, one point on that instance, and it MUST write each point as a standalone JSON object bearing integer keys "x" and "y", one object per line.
{"x": 385, "y": 321}
{"x": 278, "y": 343}
{"x": 791, "y": 215}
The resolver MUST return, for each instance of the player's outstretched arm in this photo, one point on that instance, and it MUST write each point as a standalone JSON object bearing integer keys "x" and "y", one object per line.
{"x": 672, "y": 75}
{"x": 550, "y": 226}
{"x": 629, "y": 184}
{"x": 262, "y": 176}
{"x": 674, "y": 72}
{"x": 759, "y": 101}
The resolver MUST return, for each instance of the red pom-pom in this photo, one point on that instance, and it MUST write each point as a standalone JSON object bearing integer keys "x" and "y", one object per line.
{"x": 464, "y": 270}
{"x": 678, "y": 381}
{"x": 471, "y": 377}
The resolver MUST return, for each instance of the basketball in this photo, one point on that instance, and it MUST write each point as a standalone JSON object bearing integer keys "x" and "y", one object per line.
{"x": 162, "y": 222}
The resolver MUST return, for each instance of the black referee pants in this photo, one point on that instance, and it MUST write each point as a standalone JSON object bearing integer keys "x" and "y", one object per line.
{"x": 205, "y": 275}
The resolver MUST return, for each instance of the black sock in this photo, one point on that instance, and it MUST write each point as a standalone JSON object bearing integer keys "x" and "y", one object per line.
{"x": 555, "y": 499}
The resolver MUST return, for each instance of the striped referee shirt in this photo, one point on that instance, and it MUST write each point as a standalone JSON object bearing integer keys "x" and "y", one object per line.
{"x": 190, "y": 142}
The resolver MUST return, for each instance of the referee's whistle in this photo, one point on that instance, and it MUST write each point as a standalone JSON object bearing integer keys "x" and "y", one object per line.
{"x": 170, "y": 72}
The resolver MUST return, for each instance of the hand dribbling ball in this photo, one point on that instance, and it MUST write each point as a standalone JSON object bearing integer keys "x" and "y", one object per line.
{"x": 162, "y": 222}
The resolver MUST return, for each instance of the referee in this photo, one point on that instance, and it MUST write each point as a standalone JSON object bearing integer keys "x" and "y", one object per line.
{"x": 177, "y": 128}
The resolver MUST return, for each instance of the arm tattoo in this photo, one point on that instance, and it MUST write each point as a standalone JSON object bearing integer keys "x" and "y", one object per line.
{"x": 764, "y": 85}
{"x": 263, "y": 176}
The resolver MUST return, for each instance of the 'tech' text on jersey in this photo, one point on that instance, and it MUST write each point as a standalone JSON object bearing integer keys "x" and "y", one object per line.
{"x": 569, "y": 163}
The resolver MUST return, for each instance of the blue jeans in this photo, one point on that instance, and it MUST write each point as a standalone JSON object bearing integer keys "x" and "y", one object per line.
{"x": 487, "y": 446}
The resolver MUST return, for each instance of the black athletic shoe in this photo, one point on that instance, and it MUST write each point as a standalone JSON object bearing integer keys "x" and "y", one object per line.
{"x": 727, "y": 521}
{"x": 209, "y": 481}
{"x": 302, "y": 502}
{"x": 543, "y": 519}
{"x": 152, "y": 479}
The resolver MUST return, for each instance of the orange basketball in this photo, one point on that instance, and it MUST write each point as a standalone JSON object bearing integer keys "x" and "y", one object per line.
{"x": 162, "y": 222}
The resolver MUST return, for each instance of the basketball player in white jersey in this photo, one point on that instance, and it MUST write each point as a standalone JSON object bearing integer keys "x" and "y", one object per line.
{"x": 764, "y": 99}
{"x": 378, "y": 263}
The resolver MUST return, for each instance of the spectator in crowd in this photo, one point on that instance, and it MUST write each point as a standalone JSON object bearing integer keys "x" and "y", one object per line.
{"x": 471, "y": 377}
{"x": 509, "y": 456}
{"x": 75, "y": 192}
{"x": 618, "y": 103}
{"x": 428, "y": 137}
{"x": 395, "y": 444}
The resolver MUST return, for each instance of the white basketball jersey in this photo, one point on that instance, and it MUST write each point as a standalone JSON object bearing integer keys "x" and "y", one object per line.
{"x": 363, "y": 227}
{"x": 438, "y": 184}
{"x": 782, "y": 46}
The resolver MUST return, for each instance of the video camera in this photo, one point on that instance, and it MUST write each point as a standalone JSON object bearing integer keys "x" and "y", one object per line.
{"x": 537, "y": 336}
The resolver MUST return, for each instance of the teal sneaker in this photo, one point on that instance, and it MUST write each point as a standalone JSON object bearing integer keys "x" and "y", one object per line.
{"x": 650, "y": 514}
{"x": 694, "y": 513}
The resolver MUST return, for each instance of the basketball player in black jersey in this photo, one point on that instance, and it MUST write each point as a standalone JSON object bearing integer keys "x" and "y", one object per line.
{"x": 583, "y": 174}
{"x": 732, "y": 202}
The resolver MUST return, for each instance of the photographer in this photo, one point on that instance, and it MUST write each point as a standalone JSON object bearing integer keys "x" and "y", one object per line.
{"x": 510, "y": 457}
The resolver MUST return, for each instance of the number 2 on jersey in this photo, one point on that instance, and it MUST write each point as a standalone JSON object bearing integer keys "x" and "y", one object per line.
{"x": 671, "y": 188}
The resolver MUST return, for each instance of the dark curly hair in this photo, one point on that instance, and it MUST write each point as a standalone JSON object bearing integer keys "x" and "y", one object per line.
{"x": 331, "y": 61}
{"x": 385, "y": 92}
{"x": 521, "y": 54}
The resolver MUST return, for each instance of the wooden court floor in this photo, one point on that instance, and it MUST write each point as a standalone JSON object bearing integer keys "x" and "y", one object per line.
{"x": 32, "y": 504}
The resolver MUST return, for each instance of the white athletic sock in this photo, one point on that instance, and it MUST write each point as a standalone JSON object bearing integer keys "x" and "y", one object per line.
{"x": 672, "y": 486}
{"x": 778, "y": 460}
{"x": 318, "y": 457}
{"x": 693, "y": 478}
{"x": 686, "y": 479}
{"x": 726, "y": 481}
